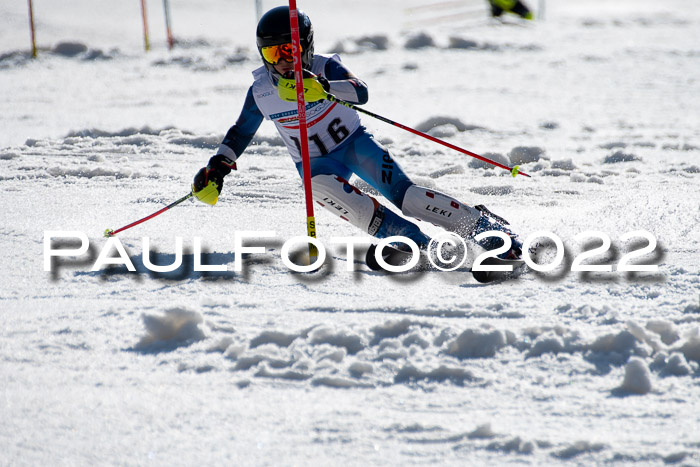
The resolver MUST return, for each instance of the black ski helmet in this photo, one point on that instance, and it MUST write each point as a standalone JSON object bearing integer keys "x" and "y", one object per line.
{"x": 274, "y": 29}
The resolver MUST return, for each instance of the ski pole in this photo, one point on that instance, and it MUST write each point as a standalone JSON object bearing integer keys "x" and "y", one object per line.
{"x": 31, "y": 28}
{"x": 111, "y": 233}
{"x": 515, "y": 170}
{"x": 146, "y": 43}
{"x": 303, "y": 135}
{"x": 168, "y": 30}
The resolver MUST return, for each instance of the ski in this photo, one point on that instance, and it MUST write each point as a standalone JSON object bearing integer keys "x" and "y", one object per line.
{"x": 486, "y": 277}
{"x": 392, "y": 256}
{"x": 396, "y": 257}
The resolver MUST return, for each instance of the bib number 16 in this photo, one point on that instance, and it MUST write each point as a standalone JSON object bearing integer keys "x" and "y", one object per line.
{"x": 337, "y": 131}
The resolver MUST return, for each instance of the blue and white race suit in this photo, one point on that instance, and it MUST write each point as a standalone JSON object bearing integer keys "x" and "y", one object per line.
{"x": 339, "y": 146}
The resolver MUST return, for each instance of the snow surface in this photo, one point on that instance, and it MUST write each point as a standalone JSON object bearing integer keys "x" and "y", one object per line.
{"x": 599, "y": 102}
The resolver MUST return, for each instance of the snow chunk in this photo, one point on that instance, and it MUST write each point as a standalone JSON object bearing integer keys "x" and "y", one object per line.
{"x": 412, "y": 428}
{"x": 449, "y": 170}
{"x": 176, "y": 327}
{"x": 243, "y": 383}
{"x": 677, "y": 365}
{"x": 221, "y": 345}
{"x": 14, "y": 59}
{"x": 691, "y": 348}
{"x": 205, "y": 142}
{"x": 122, "y": 172}
{"x": 513, "y": 445}
{"x": 359, "y": 369}
{"x": 352, "y": 342}
{"x": 554, "y": 173}
{"x": 462, "y": 43}
{"x": 6, "y": 156}
{"x": 549, "y": 125}
{"x": 492, "y": 190}
{"x": 338, "y": 382}
{"x": 620, "y": 156}
{"x": 525, "y": 154}
{"x": 543, "y": 345}
{"x": 419, "y": 41}
{"x": 245, "y": 363}
{"x": 439, "y": 120}
{"x": 482, "y": 432}
{"x": 273, "y": 337}
{"x": 643, "y": 336}
{"x": 336, "y": 355}
{"x": 131, "y": 131}
{"x": 675, "y": 458}
{"x": 665, "y": 329}
{"x": 443, "y": 131}
{"x": 578, "y": 448}
{"x": 232, "y": 352}
{"x": 620, "y": 343}
{"x": 594, "y": 179}
{"x": 614, "y": 145}
{"x": 375, "y": 42}
{"x": 416, "y": 339}
{"x": 291, "y": 375}
{"x": 457, "y": 376}
{"x": 476, "y": 344}
{"x": 564, "y": 164}
{"x": 444, "y": 336}
{"x": 637, "y": 378}
{"x": 393, "y": 328}
{"x": 494, "y": 156}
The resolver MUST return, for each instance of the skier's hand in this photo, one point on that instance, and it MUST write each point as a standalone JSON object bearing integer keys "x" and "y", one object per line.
{"x": 207, "y": 185}
{"x": 315, "y": 87}
{"x": 209, "y": 181}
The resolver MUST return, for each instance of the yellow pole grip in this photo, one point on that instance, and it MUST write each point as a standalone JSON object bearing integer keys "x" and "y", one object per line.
{"x": 311, "y": 232}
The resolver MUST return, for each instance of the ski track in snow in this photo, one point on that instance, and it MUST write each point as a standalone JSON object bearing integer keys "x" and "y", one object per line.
{"x": 599, "y": 104}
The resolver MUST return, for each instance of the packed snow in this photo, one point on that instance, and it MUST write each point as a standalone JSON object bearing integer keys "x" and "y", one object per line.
{"x": 598, "y": 101}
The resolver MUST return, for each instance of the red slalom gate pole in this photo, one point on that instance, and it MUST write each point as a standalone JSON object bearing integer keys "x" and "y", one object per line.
{"x": 166, "y": 7}
{"x": 147, "y": 44}
{"x": 515, "y": 170}
{"x": 31, "y": 28}
{"x": 111, "y": 233}
{"x": 303, "y": 136}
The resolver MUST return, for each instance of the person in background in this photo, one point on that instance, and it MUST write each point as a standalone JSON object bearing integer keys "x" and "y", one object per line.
{"x": 510, "y": 6}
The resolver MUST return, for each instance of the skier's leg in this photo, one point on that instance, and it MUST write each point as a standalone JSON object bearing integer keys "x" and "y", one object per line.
{"x": 373, "y": 163}
{"x": 332, "y": 191}
{"x": 455, "y": 216}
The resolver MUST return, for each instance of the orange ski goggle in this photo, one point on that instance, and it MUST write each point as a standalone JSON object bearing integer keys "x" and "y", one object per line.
{"x": 274, "y": 53}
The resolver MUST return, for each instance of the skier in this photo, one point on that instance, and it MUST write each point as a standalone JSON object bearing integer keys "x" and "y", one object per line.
{"x": 511, "y": 6}
{"x": 339, "y": 145}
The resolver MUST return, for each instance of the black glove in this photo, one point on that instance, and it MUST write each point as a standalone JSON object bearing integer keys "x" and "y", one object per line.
{"x": 209, "y": 181}
{"x": 204, "y": 176}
